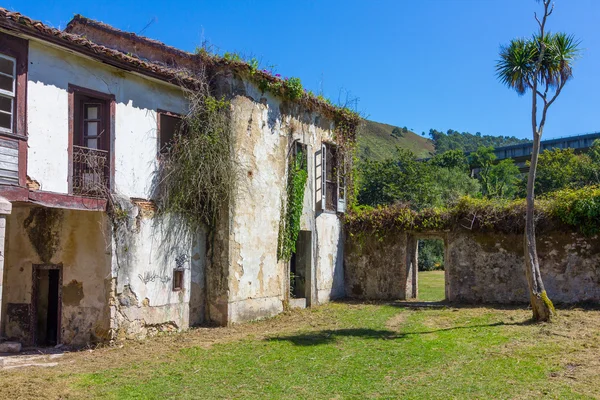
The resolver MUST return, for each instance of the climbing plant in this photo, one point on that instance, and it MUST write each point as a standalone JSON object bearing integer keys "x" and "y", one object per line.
{"x": 199, "y": 173}
{"x": 289, "y": 227}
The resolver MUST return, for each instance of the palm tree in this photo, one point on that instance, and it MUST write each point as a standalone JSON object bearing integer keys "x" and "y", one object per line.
{"x": 542, "y": 65}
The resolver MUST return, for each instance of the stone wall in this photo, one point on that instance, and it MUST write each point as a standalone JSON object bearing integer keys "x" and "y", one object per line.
{"x": 480, "y": 267}
{"x": 489, "y": 267}
{"x": 379, "y": 268}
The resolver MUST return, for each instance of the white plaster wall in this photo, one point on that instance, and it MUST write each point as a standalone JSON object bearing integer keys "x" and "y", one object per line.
{"x": 330, "y": 258}
{"x": 258, "y": 281}
{"x": 144, "y": 258}
{"x": 257, "y": 278}
{"x": 135, "y": 131}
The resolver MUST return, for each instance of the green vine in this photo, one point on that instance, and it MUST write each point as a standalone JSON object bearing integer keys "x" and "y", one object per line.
{"x": 289, "y": 227}
{"x": 576, "y": 209}
{"x": 198, "y": 175}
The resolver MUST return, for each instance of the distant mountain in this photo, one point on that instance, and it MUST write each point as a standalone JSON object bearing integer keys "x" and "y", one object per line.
{"x": 378, "y": 141}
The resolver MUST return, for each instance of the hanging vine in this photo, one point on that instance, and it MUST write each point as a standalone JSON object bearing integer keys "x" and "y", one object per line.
{"x": 291, "y": 211}
{"x": 198, "y": 175}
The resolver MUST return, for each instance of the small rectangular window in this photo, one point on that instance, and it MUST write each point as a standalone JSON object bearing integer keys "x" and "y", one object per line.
{"x": 7, "y": 92}
{"x": 170, "y": 125}
{"x": 177, "y": 280}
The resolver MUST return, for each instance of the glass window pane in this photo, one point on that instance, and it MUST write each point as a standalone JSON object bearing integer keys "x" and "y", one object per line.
{"x": 92, "y": 112}
{"x": 5, "y": 121}
{"x": 6, "y": 104}
{"x": 6, "y": 83}
{"x": 92, "y": 129}
{"x": 91, "y": 143}
{"x": 7, "y": 66}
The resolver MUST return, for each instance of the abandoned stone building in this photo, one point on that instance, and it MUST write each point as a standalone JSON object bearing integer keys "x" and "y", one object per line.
{"x": 91, "y": 106}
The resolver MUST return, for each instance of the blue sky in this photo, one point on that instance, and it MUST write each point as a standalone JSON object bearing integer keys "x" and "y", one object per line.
{"x": 420, "y": 63}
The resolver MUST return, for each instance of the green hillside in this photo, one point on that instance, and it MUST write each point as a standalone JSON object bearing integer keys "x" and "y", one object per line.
{"x": 376, "y": 141}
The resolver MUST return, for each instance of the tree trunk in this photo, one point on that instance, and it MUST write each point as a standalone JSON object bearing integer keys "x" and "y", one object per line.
{"x": 541, "y": 305}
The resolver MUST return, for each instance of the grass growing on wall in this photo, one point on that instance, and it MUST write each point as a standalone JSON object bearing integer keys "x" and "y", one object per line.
{"x": 576, "y": 209}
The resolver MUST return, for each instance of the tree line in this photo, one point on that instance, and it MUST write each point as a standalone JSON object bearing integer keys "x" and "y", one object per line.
{"x": 446, "y": 177}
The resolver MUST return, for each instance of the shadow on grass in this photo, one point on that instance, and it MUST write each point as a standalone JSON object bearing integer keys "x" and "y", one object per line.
{"x": 332, "y": 335}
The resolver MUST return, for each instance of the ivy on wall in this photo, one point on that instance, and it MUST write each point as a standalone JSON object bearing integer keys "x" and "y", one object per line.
{"x": 199, "y": 174}
{"x": 289, "y": 226}
{"x": 574, "y": 209}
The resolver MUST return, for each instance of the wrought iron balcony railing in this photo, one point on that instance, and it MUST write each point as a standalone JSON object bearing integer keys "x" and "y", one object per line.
{"x": 91, "y": 172}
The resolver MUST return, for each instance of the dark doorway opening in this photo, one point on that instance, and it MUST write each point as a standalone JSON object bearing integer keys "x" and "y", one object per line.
{"x": 46, "y": 305}
{"x": 432, "y": 276}
{"x": 300, "y": 266}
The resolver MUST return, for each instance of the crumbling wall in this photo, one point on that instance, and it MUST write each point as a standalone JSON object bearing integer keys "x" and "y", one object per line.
{"x": 489, "y": 267}
{"x": 265, "y": 129}
{"x": 77, "y": 240}
{"x": 480, "y": 267}
{"x": 376, "y": 268}
{"x": 146, "y": 252}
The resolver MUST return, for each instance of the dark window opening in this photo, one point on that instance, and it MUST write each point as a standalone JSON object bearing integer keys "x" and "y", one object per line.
{"x": 169, "y": 127}
{"x": 46, "y": 302}
{"x": 300, "y": 265}
{"x": 177, "y": 280}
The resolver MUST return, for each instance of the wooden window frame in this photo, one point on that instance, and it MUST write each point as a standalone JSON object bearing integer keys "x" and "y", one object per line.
{"x": 179, "y": 283}
{"x": 159, "y": 114}
{"x": 12, "y": 95}
{"x": 18, "y": 49}
{"x": 329, "y": 153}
{"x": 74, "y": 93}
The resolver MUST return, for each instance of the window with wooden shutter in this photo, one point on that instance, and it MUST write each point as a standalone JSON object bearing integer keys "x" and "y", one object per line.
{"x": 319, "y": 179}
{"x": 8, "y": 77}
{"x": 330, "y": 180}
{"x": 341, "y": 186}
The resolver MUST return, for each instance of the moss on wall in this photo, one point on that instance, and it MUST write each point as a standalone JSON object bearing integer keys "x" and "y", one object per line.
{"x": 43, "y": 227}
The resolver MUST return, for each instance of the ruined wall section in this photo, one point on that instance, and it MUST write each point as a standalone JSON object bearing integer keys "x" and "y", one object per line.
{"x": 265, "y": 128}
{"x": 480, "y": 267}
{"x": 147, "y": 251}
{"x": 78, "y": 242}
{"x": 376, "y": 268}
{"x": 489, "y": 267}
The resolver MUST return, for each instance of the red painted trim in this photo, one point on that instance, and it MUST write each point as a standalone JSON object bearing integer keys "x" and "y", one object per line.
{"x": 71, "y": 94}
{"x": 110, "y": 99}
{"x": 19, "y": 49}
{"x": 14, "y": 193}
{"x": 59, "y": 200}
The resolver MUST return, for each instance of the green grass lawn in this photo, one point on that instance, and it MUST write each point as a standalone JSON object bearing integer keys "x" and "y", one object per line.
{"x": 431, "y": 286}
{"x": 341, "y": 351}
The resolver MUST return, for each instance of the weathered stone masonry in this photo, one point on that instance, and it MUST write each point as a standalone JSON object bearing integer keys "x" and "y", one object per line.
{"x": 479, "y": 267}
